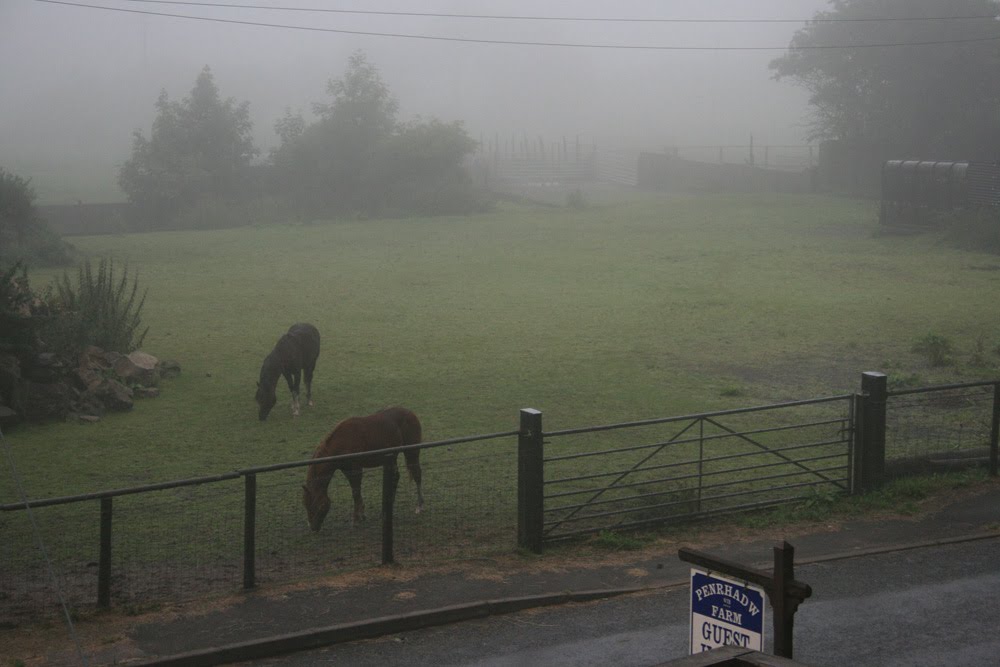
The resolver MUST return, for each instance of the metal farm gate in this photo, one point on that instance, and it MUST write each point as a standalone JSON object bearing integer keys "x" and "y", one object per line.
{"x": 660, "y": 470}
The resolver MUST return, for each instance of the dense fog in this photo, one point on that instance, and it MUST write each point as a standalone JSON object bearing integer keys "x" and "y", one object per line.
{"x": 80, "y": 80}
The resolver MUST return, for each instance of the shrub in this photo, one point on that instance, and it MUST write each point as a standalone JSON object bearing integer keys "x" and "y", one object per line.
{"x": 16, "y": 324}
{"x": 23, "y": 235}
{"x": 100, "y": 309}
{"x": 936, "y": 349}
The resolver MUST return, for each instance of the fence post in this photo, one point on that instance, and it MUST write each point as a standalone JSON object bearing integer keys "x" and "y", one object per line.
{"x": 530, "y": 480}
{"x": 249, "y": 530}
{"x": 784, "y": 605}
{"x": 104, "y": 561}
{"x": 390, "y": 480}
{"x": 872, "y": 416}
{"x": 995, "y": 430}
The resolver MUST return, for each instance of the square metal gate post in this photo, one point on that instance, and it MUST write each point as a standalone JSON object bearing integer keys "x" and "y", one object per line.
{"x": 530, "y": 482}
{"x": 872, "y": 415}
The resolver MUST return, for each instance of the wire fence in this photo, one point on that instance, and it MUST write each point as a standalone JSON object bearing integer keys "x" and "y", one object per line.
{"x": 939, "y": 423}
{"x": 177, "y": 543}
{"x": 187, "y": 539}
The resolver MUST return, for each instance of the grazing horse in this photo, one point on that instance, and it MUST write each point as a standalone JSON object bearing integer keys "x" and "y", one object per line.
{"x": 294, "y": 354}
{"x": 392, "y": 427}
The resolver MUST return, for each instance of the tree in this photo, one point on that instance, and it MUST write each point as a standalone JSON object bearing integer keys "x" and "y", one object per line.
{"x": 935, "y": 101}
{"x": 17, "y": 206}
{"x": 200, "y": 147}
{"x": 329, "y": 163}
{"x": 24, "y": 235}
{"x": 357, "y": 157}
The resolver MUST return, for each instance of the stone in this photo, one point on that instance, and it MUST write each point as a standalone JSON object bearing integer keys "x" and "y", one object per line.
{"x": 114, "y": 395}
{"x": 88, "y": 419}
{"x": 42, "y": 401}
{"x": 130, "y": 373}
{"x": 143, "y": 360}
{"x": 93, "y": 357}
{"x": 86, "y": 379}
{"x": 45, "y": 368}
{"x": 145, "y": 392}
{"x": 169, "y": 369}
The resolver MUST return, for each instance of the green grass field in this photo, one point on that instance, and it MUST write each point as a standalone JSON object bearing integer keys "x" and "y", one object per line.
{"x": 660, "y": 306}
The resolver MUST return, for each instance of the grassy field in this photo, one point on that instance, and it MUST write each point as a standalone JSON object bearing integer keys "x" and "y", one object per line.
{"x": 660, "y": 306}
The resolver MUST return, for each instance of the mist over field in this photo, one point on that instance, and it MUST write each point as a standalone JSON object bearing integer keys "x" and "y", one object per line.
{"x": 82, "y": 79}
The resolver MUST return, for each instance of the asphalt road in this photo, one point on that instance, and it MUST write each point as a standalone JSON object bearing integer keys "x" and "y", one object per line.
{"x": 931, "y": 606}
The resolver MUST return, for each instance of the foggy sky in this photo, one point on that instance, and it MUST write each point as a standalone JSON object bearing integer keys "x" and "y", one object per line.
{"x": 77, "y": 82}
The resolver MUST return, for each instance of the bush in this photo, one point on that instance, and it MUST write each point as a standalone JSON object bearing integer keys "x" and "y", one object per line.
{"x": 24, "y": 237}
{"x": 16, "y": 299}
{"x": 100, "y": 310}
{"x": 936, "y": 349}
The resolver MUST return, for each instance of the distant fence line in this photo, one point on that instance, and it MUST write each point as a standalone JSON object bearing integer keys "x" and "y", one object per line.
{"x": 487, "y": 493}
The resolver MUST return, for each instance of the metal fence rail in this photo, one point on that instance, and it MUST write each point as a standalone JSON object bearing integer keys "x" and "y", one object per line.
{"x": 704, "y": 464}
{"x": 177, "y": 540}
{"x": 941, "y": 422}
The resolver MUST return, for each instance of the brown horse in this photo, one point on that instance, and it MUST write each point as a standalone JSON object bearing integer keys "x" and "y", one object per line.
{"x": 392, "y": 427}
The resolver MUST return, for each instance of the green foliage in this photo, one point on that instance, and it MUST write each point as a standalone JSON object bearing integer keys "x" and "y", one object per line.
{"x": 898, "y": 98}
{"x": 615, "y": 541}
{"x": 23, "y": 235}
{"x": 904, "y": 381}
{"x": 199, "y": 147}
{"x": 100, "y": 309}
{"x": 938, "y": 350}
{"x": 357, "y": 159}
{"x": 16, "y": 324}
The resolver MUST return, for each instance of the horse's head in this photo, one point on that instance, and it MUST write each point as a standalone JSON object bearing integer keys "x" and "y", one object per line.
{"x": 317, "y": 505}
{"x": 265, "y": 401}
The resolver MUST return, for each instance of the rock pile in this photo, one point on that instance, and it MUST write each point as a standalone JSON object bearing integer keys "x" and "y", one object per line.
{"x": 48, "y": 387}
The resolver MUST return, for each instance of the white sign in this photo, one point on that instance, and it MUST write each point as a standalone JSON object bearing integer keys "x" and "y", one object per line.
{"x": 725, "y": 612}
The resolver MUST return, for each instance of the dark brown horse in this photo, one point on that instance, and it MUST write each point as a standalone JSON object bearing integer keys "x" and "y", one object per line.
{"x": 392, "y": 427}
{"x": 293, "y": 355}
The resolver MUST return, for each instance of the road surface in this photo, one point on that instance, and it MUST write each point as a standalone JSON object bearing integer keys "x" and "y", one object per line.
{"x": 928, "y": 606}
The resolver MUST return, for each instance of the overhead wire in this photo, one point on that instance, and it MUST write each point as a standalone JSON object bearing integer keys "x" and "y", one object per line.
{"x": 470, "y": 40}
{"x": 601, "y": 19}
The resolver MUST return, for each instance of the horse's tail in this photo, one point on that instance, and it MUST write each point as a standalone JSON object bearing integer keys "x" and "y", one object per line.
{"x": 410, "y": 433}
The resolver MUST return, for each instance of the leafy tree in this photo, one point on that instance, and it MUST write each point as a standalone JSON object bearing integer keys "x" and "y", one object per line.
{"x": 420, "y": 169}
{"x": 934, "y": 100}
{"x": 23, "y": 234}
{"x": 357, "y": 157}
{"x": 199, "y": 147}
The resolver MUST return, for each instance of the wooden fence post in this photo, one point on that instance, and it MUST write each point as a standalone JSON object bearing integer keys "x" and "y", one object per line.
{"x": 390, "y": 480}
{"x": 104, "y": 561}
{"x": 872, "y": 417}
{"x": 249, "y": 530}
{"x": 530, "y": 480}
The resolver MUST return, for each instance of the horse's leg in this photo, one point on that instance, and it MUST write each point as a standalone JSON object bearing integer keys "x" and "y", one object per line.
{"x": 354, "y": 477}
{"x": 308, "y": 372}
{"x": 292, "y": 378}
{"x": 413, "y": 465}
